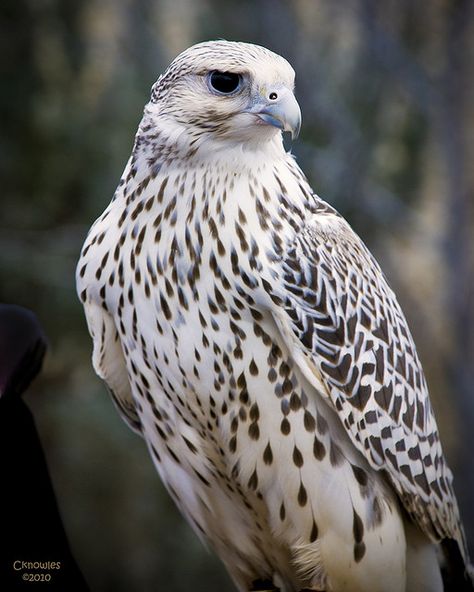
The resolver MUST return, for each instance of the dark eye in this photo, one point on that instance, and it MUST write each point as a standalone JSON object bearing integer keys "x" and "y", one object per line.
{"x": 224, "y": 82}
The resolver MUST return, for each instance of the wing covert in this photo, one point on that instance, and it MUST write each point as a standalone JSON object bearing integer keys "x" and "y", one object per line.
{"x": 349, "y": 333}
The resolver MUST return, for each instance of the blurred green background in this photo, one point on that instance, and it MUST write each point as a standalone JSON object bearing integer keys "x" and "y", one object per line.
{"x": 387, "y": 95}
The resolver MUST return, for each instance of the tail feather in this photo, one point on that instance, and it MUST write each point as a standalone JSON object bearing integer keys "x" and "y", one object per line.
{"x": 457, "y": 576}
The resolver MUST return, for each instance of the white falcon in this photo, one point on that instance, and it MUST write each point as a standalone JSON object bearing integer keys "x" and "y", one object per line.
{"x": 247, "y": 333}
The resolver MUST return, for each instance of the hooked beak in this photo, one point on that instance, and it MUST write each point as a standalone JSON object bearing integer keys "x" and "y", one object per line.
{"x": 278, "y": 107}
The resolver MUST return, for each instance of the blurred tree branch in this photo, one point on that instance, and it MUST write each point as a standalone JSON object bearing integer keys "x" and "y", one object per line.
{"x": 459, "y": 287}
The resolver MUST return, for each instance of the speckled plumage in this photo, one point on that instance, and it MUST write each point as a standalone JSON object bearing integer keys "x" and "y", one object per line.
{"x": 247, "y": 333}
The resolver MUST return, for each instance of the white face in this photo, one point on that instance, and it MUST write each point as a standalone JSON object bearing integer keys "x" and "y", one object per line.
{"x": 228, "y": 91}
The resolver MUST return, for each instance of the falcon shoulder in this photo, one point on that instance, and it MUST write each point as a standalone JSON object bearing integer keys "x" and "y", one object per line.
{"x": 351, "y": 340}
{"x": 109, "y": 362}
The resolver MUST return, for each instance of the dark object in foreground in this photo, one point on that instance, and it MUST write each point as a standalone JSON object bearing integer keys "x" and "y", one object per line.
{"x": 455, "y": 577}
{"x": 34, "y": 547}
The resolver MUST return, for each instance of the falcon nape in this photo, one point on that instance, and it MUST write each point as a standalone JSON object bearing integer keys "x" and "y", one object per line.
{"x": 246, "y": 332}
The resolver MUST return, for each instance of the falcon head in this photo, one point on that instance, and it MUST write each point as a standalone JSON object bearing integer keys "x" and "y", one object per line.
{"x": 225, "y": 92}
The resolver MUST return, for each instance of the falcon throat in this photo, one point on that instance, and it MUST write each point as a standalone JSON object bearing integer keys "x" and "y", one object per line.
{"x": 246, "y": 332}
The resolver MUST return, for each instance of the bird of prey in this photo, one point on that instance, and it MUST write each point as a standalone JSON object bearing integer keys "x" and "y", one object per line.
{"x": 248, "y": 334}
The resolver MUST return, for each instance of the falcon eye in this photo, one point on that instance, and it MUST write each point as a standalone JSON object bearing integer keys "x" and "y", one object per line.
{"x": 224, "y": 82}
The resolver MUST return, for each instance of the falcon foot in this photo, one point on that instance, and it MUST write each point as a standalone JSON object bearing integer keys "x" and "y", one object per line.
{"x": 263, "y": 586}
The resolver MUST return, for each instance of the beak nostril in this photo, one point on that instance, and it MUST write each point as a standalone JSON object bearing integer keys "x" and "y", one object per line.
{"x": 277, "y": 107}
